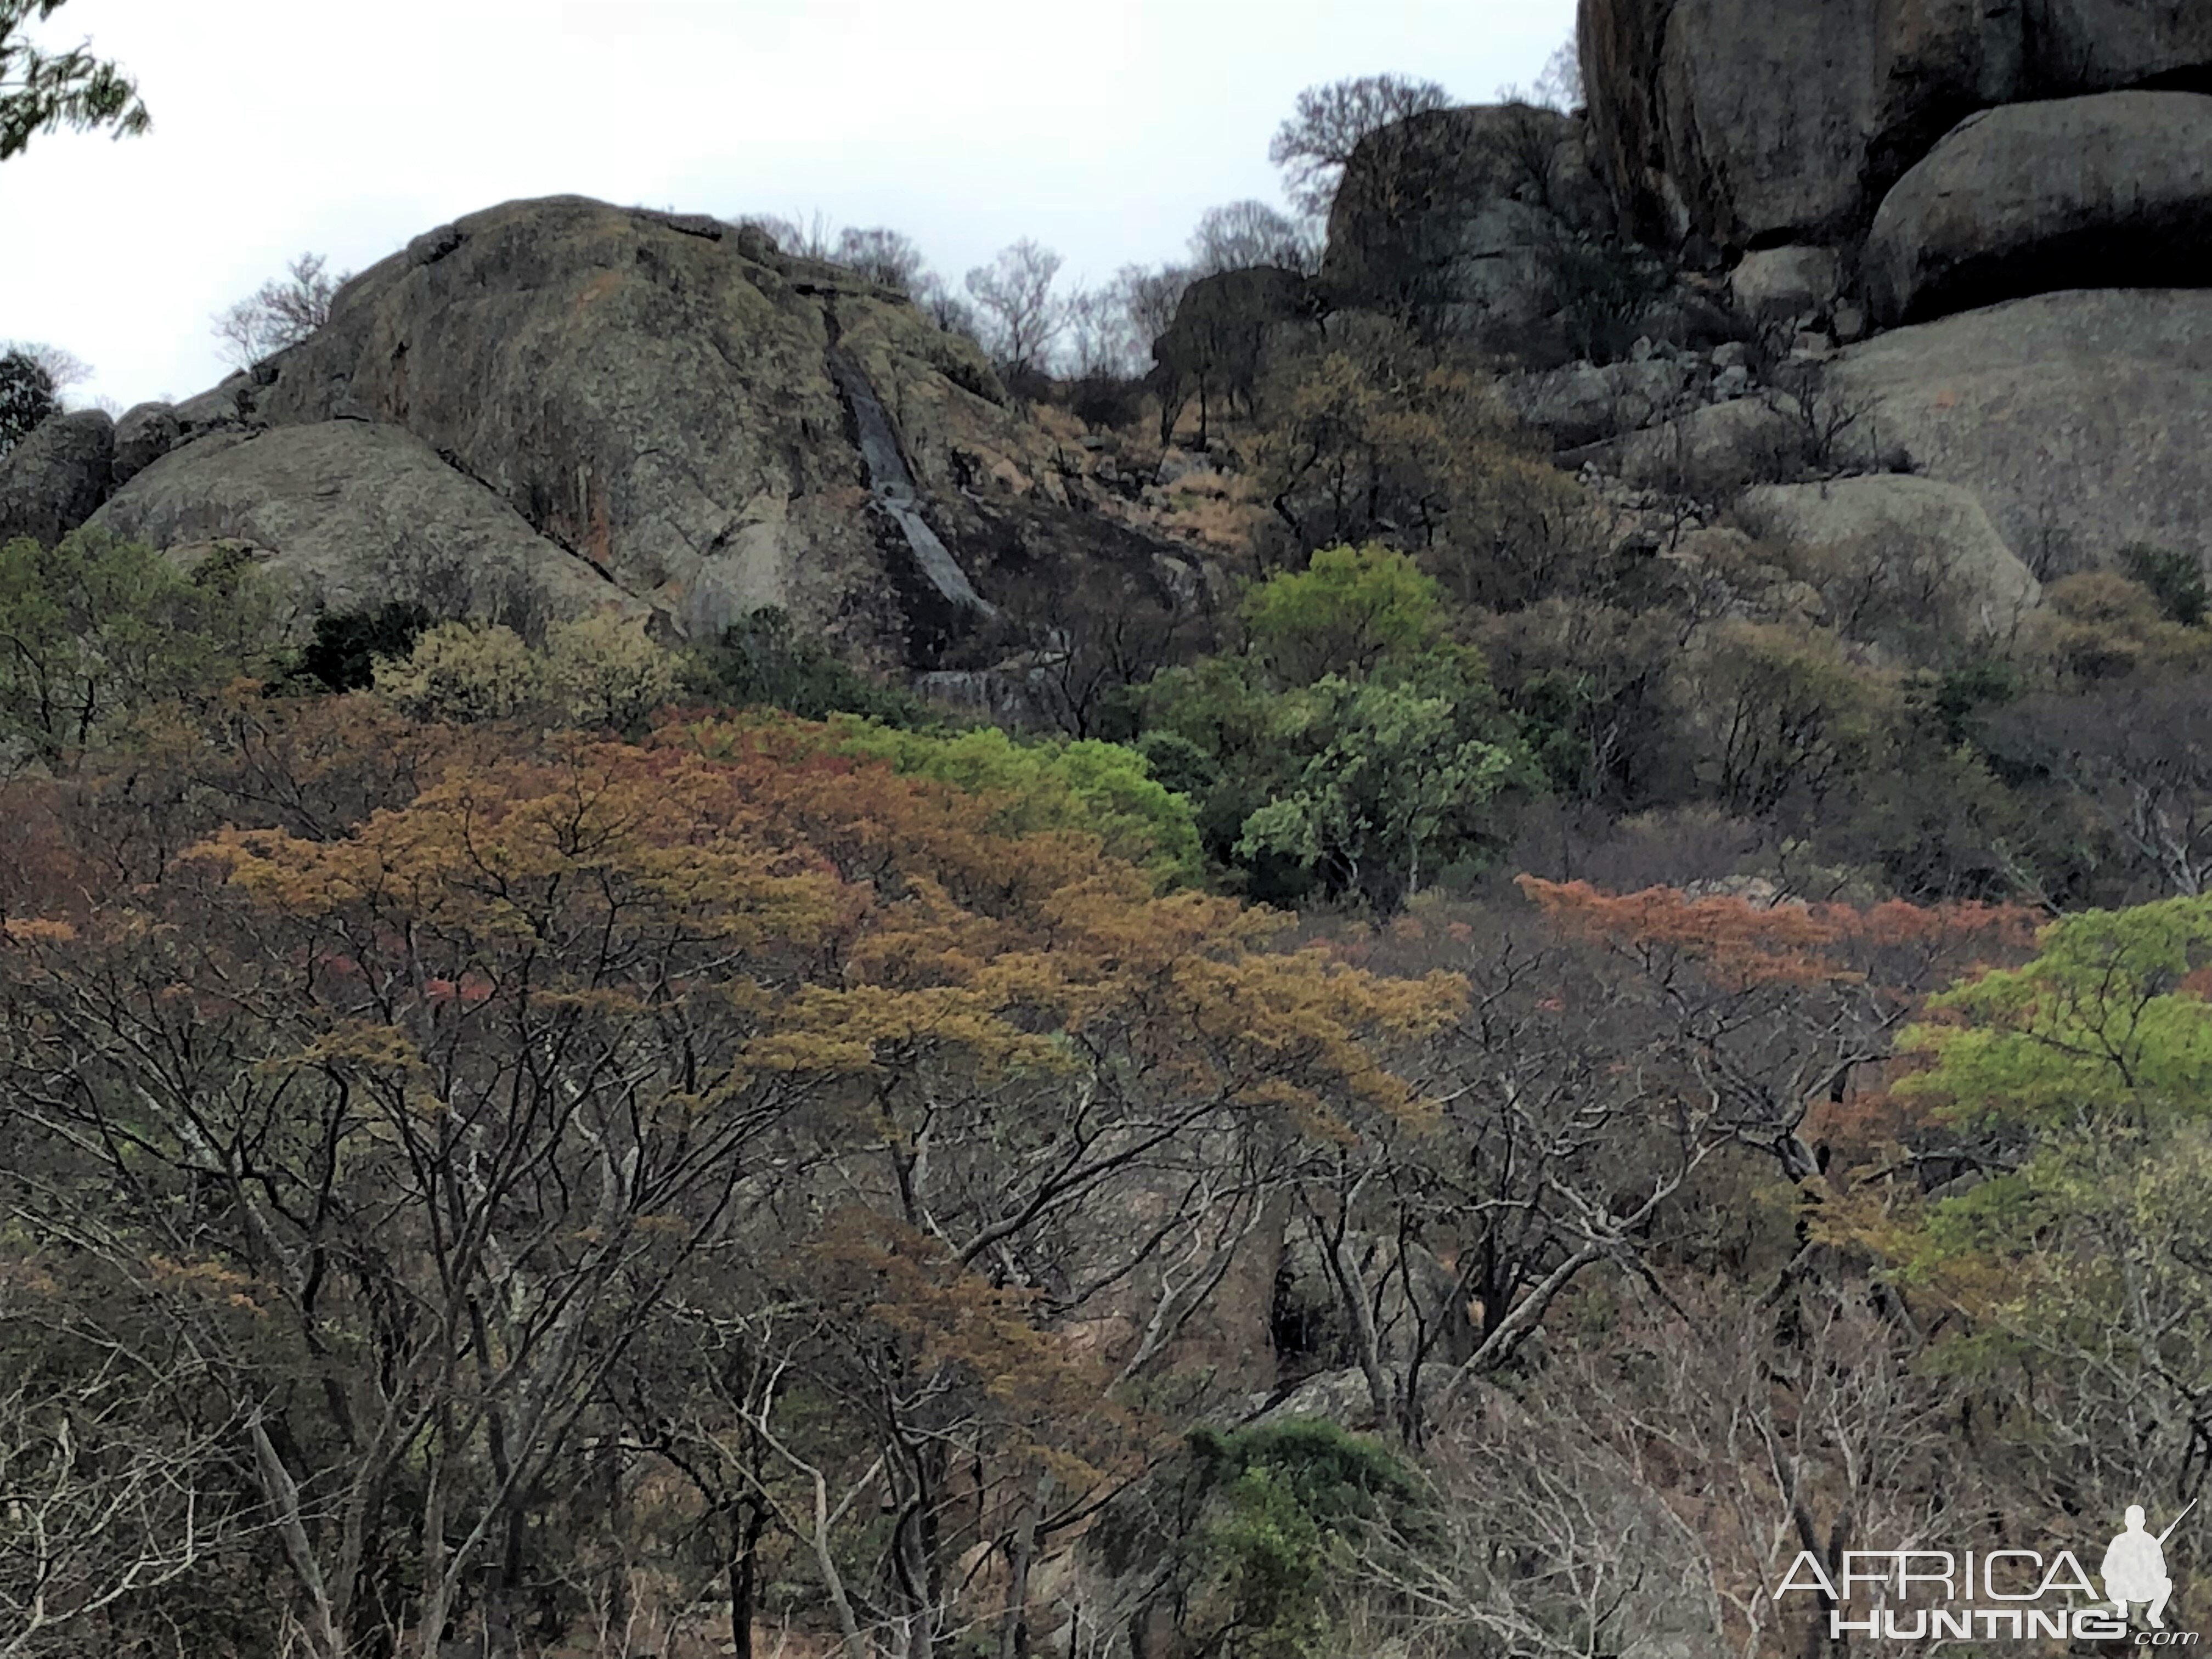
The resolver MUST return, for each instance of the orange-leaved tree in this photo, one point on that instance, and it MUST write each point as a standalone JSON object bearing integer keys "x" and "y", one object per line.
{"x": 417, "y": 1098}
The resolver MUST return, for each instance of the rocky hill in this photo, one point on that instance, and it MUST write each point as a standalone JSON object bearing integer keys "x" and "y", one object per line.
{"x": 610, "y": 407}
{"x": 2018, "y": 193}
{"x": 1960, "y": 241}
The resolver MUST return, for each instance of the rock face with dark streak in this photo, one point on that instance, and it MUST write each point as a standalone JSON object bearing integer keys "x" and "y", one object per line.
{"x": 655, "y": 395}
{"x": 637, "y": 409}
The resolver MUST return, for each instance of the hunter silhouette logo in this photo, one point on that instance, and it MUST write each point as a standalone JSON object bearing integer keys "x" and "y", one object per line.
{"x": 1912, "y": 1596}
{"x": 2134, "y": 1567}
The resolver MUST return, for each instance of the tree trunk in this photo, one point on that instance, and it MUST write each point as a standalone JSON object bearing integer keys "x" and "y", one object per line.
{"x": 745, "y": 1575}
{"x": 1021, "y": 1557}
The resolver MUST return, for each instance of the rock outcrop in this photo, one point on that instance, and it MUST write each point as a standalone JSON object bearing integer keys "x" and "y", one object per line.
{"x": 1787, "y": 284}
{"x": 1225, "y": 328}
{"x": 651, "y": 396}
{"x": 2020, "y": 189}
{"x": 1756, "y": 123}
{"x": 635, "y": 408}
{"x": 2113, "y": 190}
{"x": 143, "y": 436}
{"x": 2082, "y": 420}
{"x": 1930, "y": 543}
{"x": 356, "y": 513}
{"x": 53, "y": 480}
{"x": 1458, "y": 213}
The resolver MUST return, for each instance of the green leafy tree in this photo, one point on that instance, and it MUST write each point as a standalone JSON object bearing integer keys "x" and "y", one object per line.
{"x": 43, "y": 92}
{"x": 342, "y": 653}
{"x": 1352, "y": 748}
{"x": 2175, "y": 577}
{"x": 1395, "y": 784}
{"x": 1274, "y": 1510}
{"x": 96, "y": 629}
{"x": 2081, "y": 1083}
{"x": 1349, "y": 610}
{"x": 28, "y": 397}
{"x": 763, "y": 659}
{"x": 1105, "y": 789}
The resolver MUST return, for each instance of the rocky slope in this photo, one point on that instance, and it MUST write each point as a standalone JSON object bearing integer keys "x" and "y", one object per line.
{"x": 618, "y": 407}
{"x": 1788, "y": 240}
{"x": 2020, "y": 191}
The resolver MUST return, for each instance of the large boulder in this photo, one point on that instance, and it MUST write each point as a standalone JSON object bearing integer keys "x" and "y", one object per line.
{"x": 2082, "y": 420}
{"x": 143, "y": 436}
{"x": 1712, "y": 453}
{"x": 1759, "y": 122}
{"x": 1929, "y": 544}
{"x": 1225, "y": 329}
{"x": 2109, "y": 191}
{"x": 1459, "y": 212}
{"x": 53, "y": 480}
{"x": 1781, "y": 285}
{"x": 1587, "y": 403}
{"x": 654, "y": 394}
{"x": 358, "y": 514}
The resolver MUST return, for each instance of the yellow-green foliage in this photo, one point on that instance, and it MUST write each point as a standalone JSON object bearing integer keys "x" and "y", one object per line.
{"x": 604, "y": 671}
{"x": 598, "y": 671}
{"x": 2085, "y": 1080}
{"x": 2099, "y": 625}
{"x": 462, "y": 672}
{"x": 1782, "y": 710}
{"x": 1101, "y": 788}
{"x": 95, "y": 630}
{"x": 1350, "y": 608}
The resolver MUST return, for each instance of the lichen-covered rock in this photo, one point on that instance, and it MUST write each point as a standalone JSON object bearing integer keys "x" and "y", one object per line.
{"x": 1586, "y": 403}
{"x": 1780, "y": 284}
{"x": 2109, "y": 191}
{"x": 55, "y": 479}
{"x": 356, "y": 513}
{"x": 2082, "y": 420}
{"x": 651, "y": 396}
{"x": 1711, "y": 453}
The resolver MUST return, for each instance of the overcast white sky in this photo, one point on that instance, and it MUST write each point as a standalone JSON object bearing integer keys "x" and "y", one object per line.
{"x": 1103, "y": 129}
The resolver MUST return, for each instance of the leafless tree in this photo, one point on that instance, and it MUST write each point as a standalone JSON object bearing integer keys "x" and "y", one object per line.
{"x": 111, "y": 1488}
{"x": 810, "y": 238}
{"x": 1022, "y": 316}
{"x": 945, "y": 308}
{"x": 1662, "y": 1491}
{"x": 282, "y": 313}
{"x": 1240, "y": 235}
{"x": 1550, "y": 1158}
{"x": 1560, "y": 86}
{"x": 882, "y": 255}
{"x": 2140, "y": 757}
{"x": 1153, "y": 297}
{"x": 1102, "y": 340}
{"x": 1313, "y": 146}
